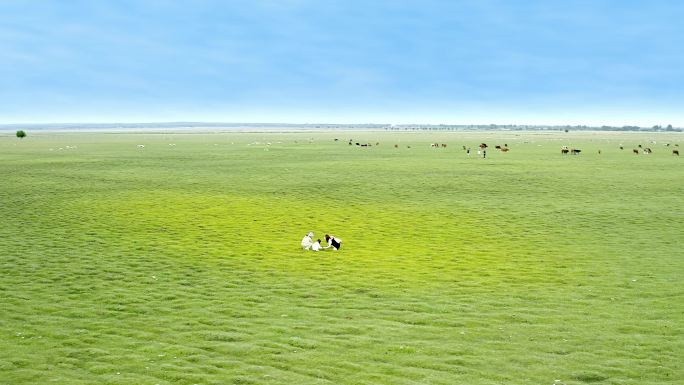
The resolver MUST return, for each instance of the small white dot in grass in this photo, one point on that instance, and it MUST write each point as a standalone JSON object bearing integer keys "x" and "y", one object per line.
{"x": 118, "y": 372}
{"x": 634, "y": 280}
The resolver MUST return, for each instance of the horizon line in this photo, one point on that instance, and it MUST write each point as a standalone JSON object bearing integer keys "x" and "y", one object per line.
{"x": 384, "y": 124}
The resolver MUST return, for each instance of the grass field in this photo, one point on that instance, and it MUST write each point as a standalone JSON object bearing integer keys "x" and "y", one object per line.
{"x": 181, "y": 264}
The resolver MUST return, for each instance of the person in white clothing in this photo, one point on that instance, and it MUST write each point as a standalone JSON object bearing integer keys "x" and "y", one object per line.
{"x": 317, "y": 246}
{"x": 307, "y": 241}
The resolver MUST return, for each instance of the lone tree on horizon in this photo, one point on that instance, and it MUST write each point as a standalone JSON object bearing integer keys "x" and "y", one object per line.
{"x": 21, "y": 134}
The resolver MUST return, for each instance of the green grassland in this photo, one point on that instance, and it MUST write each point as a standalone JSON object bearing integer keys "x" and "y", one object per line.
{"x": 180, "y": 264}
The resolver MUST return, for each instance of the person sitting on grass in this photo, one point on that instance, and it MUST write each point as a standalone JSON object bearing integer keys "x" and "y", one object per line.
{"x": 307, "y": 241}
{"x": 317, "y": 246}
{"x": 333, "y": 242}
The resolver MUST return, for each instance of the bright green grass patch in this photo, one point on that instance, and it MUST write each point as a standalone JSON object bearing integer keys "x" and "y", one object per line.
{"x": 180, "y": 264}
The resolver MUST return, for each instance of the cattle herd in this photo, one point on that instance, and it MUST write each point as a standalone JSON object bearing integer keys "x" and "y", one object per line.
{"x": 564, "y": 149}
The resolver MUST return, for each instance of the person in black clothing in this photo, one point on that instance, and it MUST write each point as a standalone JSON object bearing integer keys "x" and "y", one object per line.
{"x": 333, "y": 242}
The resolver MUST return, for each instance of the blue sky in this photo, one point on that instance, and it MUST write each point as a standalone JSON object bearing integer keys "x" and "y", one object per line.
{"x": 543, "y": 62}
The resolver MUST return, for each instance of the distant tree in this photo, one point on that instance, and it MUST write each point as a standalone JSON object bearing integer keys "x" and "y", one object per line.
{"x": 21, "y": 134}
{"x": 669, "y": 127}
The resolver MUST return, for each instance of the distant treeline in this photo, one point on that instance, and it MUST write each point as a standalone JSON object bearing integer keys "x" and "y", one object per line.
{"x": 518, "y": 127}
{"x": 318, "y": 126}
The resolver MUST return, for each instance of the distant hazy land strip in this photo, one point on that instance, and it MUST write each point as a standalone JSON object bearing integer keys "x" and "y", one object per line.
{"x": 252, "y": 127}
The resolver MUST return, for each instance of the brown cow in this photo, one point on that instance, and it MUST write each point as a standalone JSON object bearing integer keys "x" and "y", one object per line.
{"x": 505, "y": 149}
{"x": 635, "y": 151}
{"x": 444, "y": 145}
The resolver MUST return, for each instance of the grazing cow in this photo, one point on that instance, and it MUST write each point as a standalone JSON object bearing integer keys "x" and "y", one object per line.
{"x": 675, "y": 152}
{"x": 336, "y": 139}
{"x": 433, "y": 145}
{"x": 350, "y": 143}
{"x": 358, "y": 144}
{"x": 464, "y": 148}
{"x": 635, "y": 151}
{"x": 444, "y": 145}
{"x": 483, "y": 146}
{"x": 364, "y": 145}
{"x": 505, "y": 149}
{"x": 621, "y": 147}
{"x": 139, "y": 146}
{"x": 498, "y": 147}
{"x": 647, "y": 150}
{"x": 408, "y": 146}
{"x": 564, "y": 150}
{"x": 575, "y": 151}
{"x": 396, "y": 146}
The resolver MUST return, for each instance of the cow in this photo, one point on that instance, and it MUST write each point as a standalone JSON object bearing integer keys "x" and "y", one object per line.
{"x": 505, "y": 149}
{"x": 675, "y": 152}
{"x": 575, "y": 151}
{"x": 464, "y": 148}
{"x": 444, "y": 145}
{"x": 621, "y": 147}
{"x": 396, "y": 146}
{"x": 498, "y": 147}
{"x": 647, "y": 150}
{"x": 483, "y": 146}
{"x": 564, "y": 151}
{"x": 377, "y": 143}
{"x": 635, "y": 151}
{"x": 639, "y": 146}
